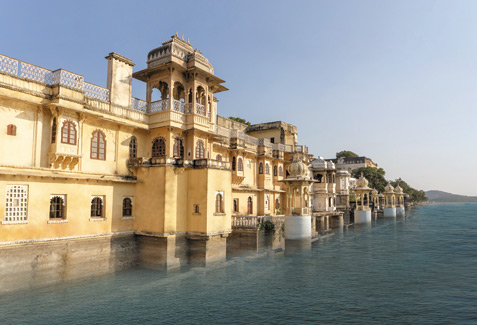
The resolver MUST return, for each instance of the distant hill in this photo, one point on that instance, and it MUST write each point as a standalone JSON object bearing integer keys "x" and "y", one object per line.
{"x": 440, "y": 196}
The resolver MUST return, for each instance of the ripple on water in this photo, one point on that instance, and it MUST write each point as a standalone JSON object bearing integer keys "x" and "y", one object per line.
{"x": 416, "y": 270}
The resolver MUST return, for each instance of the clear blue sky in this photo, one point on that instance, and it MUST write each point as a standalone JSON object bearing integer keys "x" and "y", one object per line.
{"x": 392, "y": 80}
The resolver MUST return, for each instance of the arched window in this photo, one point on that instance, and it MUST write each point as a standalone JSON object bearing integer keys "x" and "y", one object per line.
{"x": 97, "y": 207}
{"x": 277, "y": 204}
{"x": 178, "y": 148}
{"x": 260, "y": 168}
{"x": 218, "y": 158}
{"x": 199, "y": 150}
{"x": 219, "y": 203}
{"x": 11, "y": 129}
{"x": 250, "y": 205}
{"x": 133, "y": 147}
{"x": 240, "y": 164}
{"x": 57, "y": 207}
{"x": 267, "y": 169}
{"x": 53, "y": 130}
{"x": 267, "y": 202}
{"x": 236, "y": 205}
{"x": 127, "y": 207}
{"x": 68, "y": 133}
{"x": 98, "y": 145}
{"x": 159, "y": 147}
{"x": 280, "y": 171}
{"x": 233, "y": 163}
{"x": 331, "y": 202}
{"x": 275, "y": 170}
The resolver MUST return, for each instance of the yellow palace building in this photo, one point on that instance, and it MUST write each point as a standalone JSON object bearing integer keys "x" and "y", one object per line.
{"x": 88, "y": 172}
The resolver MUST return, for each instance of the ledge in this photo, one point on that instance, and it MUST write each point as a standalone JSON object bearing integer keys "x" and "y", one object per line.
{"x": 19, "y": 222}
{"x": 97, "y": 219}
{"x": 127, "y": 218}
{"x": 57, "y": 221}
{"x": 219, "y": 214}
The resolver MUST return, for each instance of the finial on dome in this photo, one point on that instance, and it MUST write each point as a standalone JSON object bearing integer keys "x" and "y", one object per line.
{"x": 177, "y": 33}
{"x": 188, "y": 40}
{"x": 182, "y": 37}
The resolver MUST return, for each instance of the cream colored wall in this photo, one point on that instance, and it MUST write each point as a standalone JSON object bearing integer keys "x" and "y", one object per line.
{"x": 197, "y": 193}
{"x": 219, "y": 180}
{"x": 243, "y": 202}
{"x": 17, "y": 150}
{"x": 267, "y": 134}
{"x": 78, "y": 208}
{"x": 149, "y": 200}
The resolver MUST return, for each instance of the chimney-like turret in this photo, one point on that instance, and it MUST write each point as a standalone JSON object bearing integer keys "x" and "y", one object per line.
{"x": 120, "y": 79}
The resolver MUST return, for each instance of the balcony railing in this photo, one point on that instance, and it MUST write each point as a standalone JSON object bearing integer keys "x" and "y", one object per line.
{"x": 200, "y": 109}
{"x": 245, "y": 222}
{"x": 178, "y": 106}
{"x": 139, "y": 104}
{"x": 160, "y": 105}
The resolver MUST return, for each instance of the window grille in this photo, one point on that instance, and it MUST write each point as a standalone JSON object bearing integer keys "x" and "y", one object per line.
{"x": 280, "y": 171}
{"x": 200, "y": 150}
{"x": 159, "y": 147}
{"x": 133, "y": 147}
{"x": 68, "y": 133}
{"x": 16, "y": 202}
{"x": 250, "y": 205}
{"x": 53, "y": 130}
{"x": 97, "y": 207}
{"x": 178, "y": 148}
{"x": 240, "y": 165}
{"x": 260, "y": 168}
{"x": 57, "y": 207}
{"x": 236, "y": 205}
{"x": 127, "y": 207}
{"x": 218, "y": 158}
{"x": 219, "y": 203}
{"x": 98, "y": 145}
{"x": 234, "y": 163}
{"x": 267, "y": 169}
{"x": 275, "y": 170}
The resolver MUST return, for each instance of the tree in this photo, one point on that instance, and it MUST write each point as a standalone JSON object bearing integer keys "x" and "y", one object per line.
{"x": 375, "y": 176}
{"x": 346, "y": 154}
{"x": 240, "y": 120}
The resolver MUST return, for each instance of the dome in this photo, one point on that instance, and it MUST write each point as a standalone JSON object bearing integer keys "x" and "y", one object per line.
{"x": 343, "y": 172}
{"x": 389, "y": 188}
{"x": 298, "y": 170}
{"x": 319, "y": 163}
{"x": 362, "y": 182}
{"x": 331, "y": 165}
{"x": 398, "y": 189}
{"x": 374, "y": 192}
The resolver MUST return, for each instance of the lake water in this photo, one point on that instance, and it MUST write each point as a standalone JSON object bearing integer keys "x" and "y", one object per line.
{"x": 414, "y": 270}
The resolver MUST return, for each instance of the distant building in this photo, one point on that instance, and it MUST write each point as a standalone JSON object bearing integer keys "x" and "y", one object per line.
{"x": 350, "y": 164}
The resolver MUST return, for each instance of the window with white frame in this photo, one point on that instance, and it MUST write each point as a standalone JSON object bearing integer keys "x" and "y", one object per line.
{"x": 16, "y": 203}
{"x": 57, "y": 206}
{"x": 127, "y": 206}
{"x": 219, "y": 202}
{"x": 97, "y": 207}
{"x": 267, "y": 202}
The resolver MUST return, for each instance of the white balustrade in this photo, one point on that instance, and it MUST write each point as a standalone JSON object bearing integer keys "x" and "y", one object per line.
{"x": 178, "y": 106}
{"x": 200, "y": 109}
{"x": 96, "y": 92}
{"x": 160, "y": 105}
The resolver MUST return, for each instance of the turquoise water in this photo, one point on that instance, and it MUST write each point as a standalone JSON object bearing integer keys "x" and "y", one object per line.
{"x": 416, "y": 270}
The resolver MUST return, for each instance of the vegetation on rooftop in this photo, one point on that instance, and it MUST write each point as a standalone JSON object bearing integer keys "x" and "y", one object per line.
{"x": 346, "y": 154}
{"x": 240, "y": 120}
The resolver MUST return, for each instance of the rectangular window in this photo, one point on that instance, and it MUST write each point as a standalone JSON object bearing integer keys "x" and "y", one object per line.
{"x": 272, "y": 140}
{"x": 16, "y": 203}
